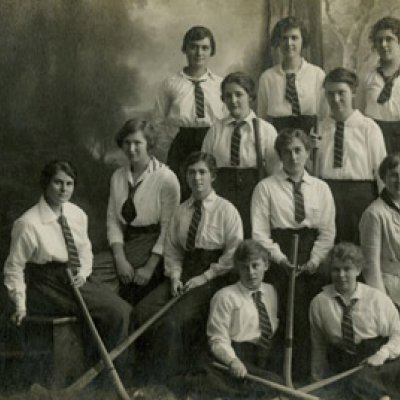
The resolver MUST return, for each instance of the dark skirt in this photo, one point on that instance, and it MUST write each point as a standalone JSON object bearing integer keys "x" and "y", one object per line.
{"x": 303, "y": 122}
{"x": 237, "y": 185}
{"x": 351, "y": 199}
{"x": 391, "y": 134}
{"x": 185, "y": 142}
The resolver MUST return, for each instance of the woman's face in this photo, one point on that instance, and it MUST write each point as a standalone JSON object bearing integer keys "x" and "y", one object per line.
{"x": 199, "y": 179}
{"x": 387, "y": 45}
{"x": 291, "y": 43}
{"x": 134, "y": 147}
{"x": 392, "y": 182}
{"x": 60, "y": 189}
{"x": 237, "y": 100}
{"x": 198, "y": 53}
{"x": 294, "y": 157}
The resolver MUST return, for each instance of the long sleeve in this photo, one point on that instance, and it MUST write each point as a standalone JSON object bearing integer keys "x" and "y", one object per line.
{"x": 209, "y": 139}
{"x": 377, "y": 149}
{"x": 371, "y": 244}
{"x": 162, "y": 104}
{"x": 262, "y": 99}
{"x": 114, "y": 226}
{"x": 85, "y": 250}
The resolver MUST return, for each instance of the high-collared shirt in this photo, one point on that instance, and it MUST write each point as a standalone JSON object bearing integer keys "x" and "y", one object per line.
{"x": 380, "y": 242}
{"x": 373, "y": 315}
{"x": 175, "y": 103}
{"x": 37, "y": 237}
{"x": 272, "y": 206}
{"x": 155, "y": 200}
{"x": 234, "y": 317}
{"x": 363, "y": 148}
{"x": 371, "y": 85}
{"x": 220, "y": 227}
{"x": 271, "y": 101}
{"x": 218, "y": 143}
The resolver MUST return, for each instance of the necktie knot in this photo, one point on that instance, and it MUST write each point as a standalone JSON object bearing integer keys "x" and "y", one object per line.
{"x": 291, "y": 76}
{"x": 256, "y": 296}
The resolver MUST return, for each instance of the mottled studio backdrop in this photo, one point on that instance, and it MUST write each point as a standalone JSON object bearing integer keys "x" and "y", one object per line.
{"x": 71, "y": 72}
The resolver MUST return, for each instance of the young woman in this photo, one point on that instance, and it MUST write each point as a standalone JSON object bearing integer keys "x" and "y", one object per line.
{"x": 242, "y": 144}
{"x": 349, "y": 154}
{"x": 379, "y": 233}
{"x": 290, "y": 94}
{"x": 379, "y": 94}
{"x": 190, "y": 100}
{"x": 35, "y": 270}
{"x": 143, "y": 196}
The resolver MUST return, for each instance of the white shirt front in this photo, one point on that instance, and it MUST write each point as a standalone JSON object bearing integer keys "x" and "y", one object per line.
{"x": 272, "y": 206}
{"x": 220, "y": 227}
{"x": 271, "y": 101}
{"x": 218, "y": 143}
{"x": 234, "y": 317}
{"x": 363, "y": 148}
{"x": 37, "y": 237}
{"x": 155, "y": 200}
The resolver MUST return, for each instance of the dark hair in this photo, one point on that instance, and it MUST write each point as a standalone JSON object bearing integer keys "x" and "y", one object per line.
{"x": 385, "y": 23}
{"x": 51, "y": 169}
{"x": 286, "y": 136}
{"x": 346, "y": 251}
{"x": 284, "y": 25}
{"x": 198, "y": 156}
{"x": 242, "y": 80}
{"x": 389, "y": 162}
{"x": 342, "y": 75}
{"x": 135, "y": 125}
{"x": 247, "y": 250}
{"x": 198, "y": 33}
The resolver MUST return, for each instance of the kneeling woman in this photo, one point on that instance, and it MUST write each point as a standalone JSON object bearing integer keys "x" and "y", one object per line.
{"x": 48, "y": 238}
{"x": 143, "y": 195}
{"x": 203, "y": 234}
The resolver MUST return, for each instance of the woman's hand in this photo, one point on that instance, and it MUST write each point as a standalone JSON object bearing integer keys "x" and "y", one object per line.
{"x": 237, "y": 368}
{"x": 18, "y": 317}
{"x": 176, "y": 287}
{"x": 125, "y": 270}
{"x": 309, "y": 267}
{"x": 375, "y": 360}
{"x": 198, "y": 280}
{"x": 78, "y": 280}
{"x": 144, "y": 274}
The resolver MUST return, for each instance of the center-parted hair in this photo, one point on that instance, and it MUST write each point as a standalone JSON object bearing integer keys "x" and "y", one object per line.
{"x": 284, "y": 25}
{"x": 389, "y": 162}
{"x": 248, "y": 250}
{"x": 342, "y": 75}
{"x": 385, "y": 23}
{"x": 198, "y": 156}
{"x": 346, "y": 251}
{"x": 51, "y": 169}
{"x": 135, "y": 125}
{"x": 286, "y": 136}
{"x": 241, "y": 79}
{"x": 198, "y": 33}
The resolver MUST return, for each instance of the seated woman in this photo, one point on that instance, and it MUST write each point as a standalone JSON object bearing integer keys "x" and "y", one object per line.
{"x": 380, "y": 233}
{"x": 143, "y": 195}
{"x": 242, "y": 145}
{"x": 352, "y": 323}
{"x": 202, "y": 236}
{"x": 35, "y": 270}
{"x": 290, "y": 94}
{"x": 288, "y": 202}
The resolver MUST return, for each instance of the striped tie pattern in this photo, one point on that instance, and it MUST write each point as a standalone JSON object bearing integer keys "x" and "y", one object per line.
{"x": 347, "y": 325}
{"x": 386, "y": 91}
{"x": 298, "y": 199}
{"x": 338, "y": 145}
{"x": 194, "y": 225}
{"x": 235, "y": 143}
{"x": 128, "y": 210}
{"x": 73, "y": 256}
{"x": 291, "y": 94}
{"x": 265, "y": 323}
{"x": 199, "y": 99}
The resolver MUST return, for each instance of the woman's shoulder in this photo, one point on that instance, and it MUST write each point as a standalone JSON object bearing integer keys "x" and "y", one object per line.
{"x": 270, "y": 73}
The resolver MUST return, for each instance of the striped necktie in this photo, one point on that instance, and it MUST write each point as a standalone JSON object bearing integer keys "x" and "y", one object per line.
{"x": 73, "y": 256}
{"x": 338, "y": 145}
{"x": 199, "y": 98}
{"x": 128, "y": 210}
{"x": 298, "y": 199}
{"x": 291, "y": 94}
{"x": 235, "y": 143}
{"x": 386, "y": 91}
{"x": 194, "y": 225}
{"x": 347, "y": 325}
{"x": 265, "y": 322}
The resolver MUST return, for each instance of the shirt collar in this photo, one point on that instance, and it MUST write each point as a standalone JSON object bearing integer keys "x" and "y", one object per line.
{"x": 207, "y": 202}
{"x": 248, "y": 292}
{"x": 47, "y": 215}
{"x": 283, "y": 176}
{"x": 207, "y": 75}
{"x": 352, "y": 120}
{"x": 152, "y": 166}
{"x": 249, "y": 119}
{"x": 331, "y": 291}
{"x": 303, "y": 65}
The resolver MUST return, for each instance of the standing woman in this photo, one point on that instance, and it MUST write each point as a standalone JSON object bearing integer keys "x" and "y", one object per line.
{"x": 41, "y": 250}
{"x": 143, "y": 196}
{"x": 290, "y": 94}
{"x": 190, "y": 100}
{"x": 380, "y": 233}
{"x": 242, "y": 145}
{"x": 379, "y": 96}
